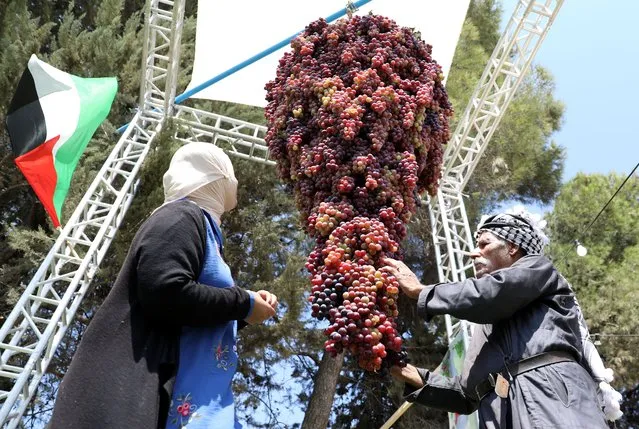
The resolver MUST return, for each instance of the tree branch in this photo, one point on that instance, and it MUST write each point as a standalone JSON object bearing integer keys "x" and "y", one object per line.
{"x": 6, "y": 190}
{"x": 308, "y": 355}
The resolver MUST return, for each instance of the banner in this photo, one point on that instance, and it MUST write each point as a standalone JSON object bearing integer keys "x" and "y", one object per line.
{"x": 229, "y": 33}
{"x": 452, "y": 366}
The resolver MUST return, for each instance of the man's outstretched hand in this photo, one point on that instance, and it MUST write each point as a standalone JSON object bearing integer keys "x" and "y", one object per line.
{"x": 407, "y": 374}
{"x": 408, "y": 281}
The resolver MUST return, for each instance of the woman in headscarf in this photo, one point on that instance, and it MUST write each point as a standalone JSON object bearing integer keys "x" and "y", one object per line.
{"x": 160, "y": 352}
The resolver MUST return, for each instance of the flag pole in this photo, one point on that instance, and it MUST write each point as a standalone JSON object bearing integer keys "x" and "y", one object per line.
{"x": 400, "y": 411}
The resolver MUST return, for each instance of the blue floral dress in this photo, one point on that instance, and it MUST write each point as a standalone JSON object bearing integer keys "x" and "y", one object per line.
{"x": 202, "y": 395}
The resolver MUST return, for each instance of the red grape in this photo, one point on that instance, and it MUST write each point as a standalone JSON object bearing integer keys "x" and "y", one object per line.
{"x": 357, "y": 115}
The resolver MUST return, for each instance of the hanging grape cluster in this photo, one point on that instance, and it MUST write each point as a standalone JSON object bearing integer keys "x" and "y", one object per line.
{"x": 357, "y": 116}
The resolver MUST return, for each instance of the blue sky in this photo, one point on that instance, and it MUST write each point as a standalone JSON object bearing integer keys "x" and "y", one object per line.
{"x": 592, "y": 50}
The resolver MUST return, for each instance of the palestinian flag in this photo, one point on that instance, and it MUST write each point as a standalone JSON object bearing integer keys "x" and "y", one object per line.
{"x": 50, "y": 121}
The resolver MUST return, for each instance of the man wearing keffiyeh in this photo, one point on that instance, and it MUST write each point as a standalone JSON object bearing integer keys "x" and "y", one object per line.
{"x": 530, "y": 362}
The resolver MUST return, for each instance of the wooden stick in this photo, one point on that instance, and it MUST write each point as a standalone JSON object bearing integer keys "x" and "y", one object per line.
{"x": 400, "y": 411}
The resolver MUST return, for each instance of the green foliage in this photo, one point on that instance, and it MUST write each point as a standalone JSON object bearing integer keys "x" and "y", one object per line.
{"x": 468, "y": 63}
{"x": 484, "y": 15}
{"x": 605, "y": 279}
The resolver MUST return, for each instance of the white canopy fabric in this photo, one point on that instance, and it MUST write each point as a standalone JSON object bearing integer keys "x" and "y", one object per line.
{"x": 230, "y": 32}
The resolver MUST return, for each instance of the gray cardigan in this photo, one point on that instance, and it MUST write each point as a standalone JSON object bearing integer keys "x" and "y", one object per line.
{"x": 523, "y": 310}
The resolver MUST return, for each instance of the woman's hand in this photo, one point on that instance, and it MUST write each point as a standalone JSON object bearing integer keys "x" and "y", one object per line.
{"x": 264, "y": 304}
{"x": 408, "y": 282}
{"x": 268, "y": 297}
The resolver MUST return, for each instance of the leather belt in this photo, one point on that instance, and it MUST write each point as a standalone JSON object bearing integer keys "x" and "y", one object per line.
{"x": 548, "y": 358}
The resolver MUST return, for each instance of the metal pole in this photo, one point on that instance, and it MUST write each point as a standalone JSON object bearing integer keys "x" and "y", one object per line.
{"x": 397, "y": 414}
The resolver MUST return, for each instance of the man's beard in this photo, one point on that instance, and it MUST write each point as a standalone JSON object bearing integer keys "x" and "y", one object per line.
{"x": 481, "y": 267}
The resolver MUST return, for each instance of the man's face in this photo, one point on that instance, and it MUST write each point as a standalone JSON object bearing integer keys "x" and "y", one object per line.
{"x": 491, "y": 254}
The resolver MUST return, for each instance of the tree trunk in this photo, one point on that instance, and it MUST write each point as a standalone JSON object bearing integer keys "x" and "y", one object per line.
{"x": 321, "y": 402}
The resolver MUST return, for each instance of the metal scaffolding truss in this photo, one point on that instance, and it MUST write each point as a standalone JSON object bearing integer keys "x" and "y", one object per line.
{"x": 506, "y": 69}
{"x": 36, "y": 325}
{"x": 452, "y": 241}
{"x": 162, "y": 35}
{"x": 30, "y": 335}
{"x": 239, "y": 138}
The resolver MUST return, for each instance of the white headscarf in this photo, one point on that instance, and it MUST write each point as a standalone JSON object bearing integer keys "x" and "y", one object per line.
{"x": 202, "y": 173}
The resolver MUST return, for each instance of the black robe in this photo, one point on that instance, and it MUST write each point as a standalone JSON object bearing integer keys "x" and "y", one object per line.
{"x": 523, "y": 310}
{"x": 121, "y": 375}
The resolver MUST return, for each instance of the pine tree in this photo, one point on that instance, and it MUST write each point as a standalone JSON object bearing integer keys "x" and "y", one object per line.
{"x": 604, "y": 280}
